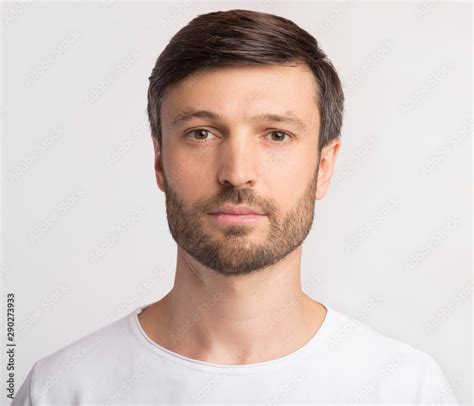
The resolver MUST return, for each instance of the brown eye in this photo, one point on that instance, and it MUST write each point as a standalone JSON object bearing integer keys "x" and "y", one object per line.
{"x": 200, "y": 134}
{"x": 280, "y": 136}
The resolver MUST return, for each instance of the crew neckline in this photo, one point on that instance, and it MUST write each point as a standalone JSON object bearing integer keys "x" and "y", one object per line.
{"x": 313, "y": 343}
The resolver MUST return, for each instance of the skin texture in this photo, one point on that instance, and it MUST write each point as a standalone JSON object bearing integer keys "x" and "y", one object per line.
{"x": 237, "y": 295}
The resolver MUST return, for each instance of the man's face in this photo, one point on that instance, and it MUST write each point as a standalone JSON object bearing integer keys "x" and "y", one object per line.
{"x": 235, "y": 155}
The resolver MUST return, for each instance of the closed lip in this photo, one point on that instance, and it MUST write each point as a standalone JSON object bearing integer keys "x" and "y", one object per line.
{"x": 236, "y": 210}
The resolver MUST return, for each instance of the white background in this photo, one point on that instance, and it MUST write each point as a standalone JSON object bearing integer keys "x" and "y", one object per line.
{"x": 85, "y": 235}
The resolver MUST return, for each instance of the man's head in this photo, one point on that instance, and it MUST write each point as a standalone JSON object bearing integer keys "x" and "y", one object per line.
{"x": 245, "y": 109}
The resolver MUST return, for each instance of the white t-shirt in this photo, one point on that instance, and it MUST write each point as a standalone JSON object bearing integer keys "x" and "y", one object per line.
{"x": 345, "y": 362}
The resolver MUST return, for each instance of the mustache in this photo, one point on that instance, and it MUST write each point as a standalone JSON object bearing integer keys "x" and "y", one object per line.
{"x": 240, "y": 197}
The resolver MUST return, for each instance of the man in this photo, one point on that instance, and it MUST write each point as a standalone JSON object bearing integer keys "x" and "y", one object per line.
{"x": 246, "y": 113}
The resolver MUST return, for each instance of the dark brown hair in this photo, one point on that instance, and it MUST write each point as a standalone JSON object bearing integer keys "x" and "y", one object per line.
{"x": 245, "y": 37}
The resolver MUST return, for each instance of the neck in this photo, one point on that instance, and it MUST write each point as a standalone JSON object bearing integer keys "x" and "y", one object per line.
{"x": 233, "y": 319}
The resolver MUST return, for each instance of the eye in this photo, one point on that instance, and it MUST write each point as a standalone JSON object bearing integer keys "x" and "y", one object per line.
{"x": 280, "y": 135}
{"x": 200, "y": 132}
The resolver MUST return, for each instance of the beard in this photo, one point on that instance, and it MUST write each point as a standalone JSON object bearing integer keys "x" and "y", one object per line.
{"x": 233, "y": 252}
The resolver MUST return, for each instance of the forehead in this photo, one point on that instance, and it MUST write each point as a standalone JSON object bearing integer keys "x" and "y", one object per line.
{"x": 241, "y": 92}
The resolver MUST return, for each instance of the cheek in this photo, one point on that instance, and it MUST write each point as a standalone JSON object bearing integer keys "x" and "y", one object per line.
{"x": 187, "y": 174}
{"x": 286, "y": 174}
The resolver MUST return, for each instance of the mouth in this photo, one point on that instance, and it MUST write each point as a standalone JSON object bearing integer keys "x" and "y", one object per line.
{"x": 230, "y": 209}
{"x": 227, "y": 218}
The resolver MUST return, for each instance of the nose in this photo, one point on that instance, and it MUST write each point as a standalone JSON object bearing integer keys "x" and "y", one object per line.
{"x": 237, "y": 160}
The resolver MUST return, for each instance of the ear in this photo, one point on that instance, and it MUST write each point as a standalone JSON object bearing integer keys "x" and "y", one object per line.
{"x": 326, "y": 166}
{"x": 159, "y": 173}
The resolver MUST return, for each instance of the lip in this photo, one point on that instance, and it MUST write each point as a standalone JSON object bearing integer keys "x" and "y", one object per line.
{"x": 240, "y": 219}
{"x": 241, "y": 210}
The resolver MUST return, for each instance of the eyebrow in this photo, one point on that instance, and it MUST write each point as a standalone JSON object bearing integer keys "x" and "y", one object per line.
{"x": 189, "y": 113}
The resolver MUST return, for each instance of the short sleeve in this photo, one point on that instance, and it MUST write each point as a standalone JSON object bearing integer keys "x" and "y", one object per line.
{"x": 23, "y": 396}
{"x": 436, "y": 389}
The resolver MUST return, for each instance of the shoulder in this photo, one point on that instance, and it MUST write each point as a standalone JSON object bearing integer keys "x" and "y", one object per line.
{"x": 381, "y": 364}
{"x": 349, "y": 334}
{"x": 57, "y": 376}
{"x": 106, "y": 340}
